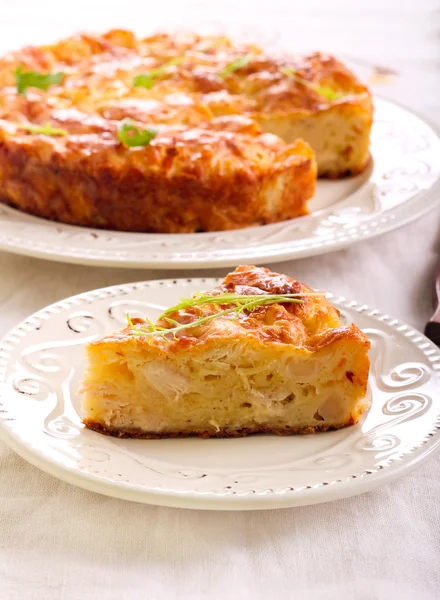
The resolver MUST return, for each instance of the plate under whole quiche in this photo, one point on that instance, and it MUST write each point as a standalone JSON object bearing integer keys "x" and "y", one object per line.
{"x": 174, "y": 134}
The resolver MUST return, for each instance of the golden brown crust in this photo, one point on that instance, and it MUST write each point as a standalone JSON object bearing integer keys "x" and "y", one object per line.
{"x": 208, "y": 169}
{"x": 313, "y": 323}
{"x": 210, "y": 433}
{"x": 350, "y": 333}
{"x": 167, "y": 187}
{"x": 261, "y": 85}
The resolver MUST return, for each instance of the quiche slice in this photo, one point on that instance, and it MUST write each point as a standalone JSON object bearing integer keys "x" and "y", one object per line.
{"x": 261, "y": 353}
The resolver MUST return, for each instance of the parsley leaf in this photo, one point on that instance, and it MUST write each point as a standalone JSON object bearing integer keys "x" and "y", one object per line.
{"x": 25, "y": 79}
{"x": 323, "y": 90}
{"x": 130, "y": 135}
{"x": 146, "y": 80}
{"x": 44, "y": 129}
{"x": 235, "y": 65}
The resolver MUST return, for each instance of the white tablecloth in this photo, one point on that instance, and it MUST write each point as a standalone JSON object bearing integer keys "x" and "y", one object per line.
{"x": 59, "y": 542}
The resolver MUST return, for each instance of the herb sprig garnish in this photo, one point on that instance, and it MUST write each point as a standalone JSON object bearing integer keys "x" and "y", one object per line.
{"x": 323, "y": 90}
{"x": 240, "y": 303}
{"x": 130, "y": 135}
{"x": 235, "y": 65}
{"x": 42, "y": 81}
{"x": 43, "y": 129}
{"x": 147, "y": 80}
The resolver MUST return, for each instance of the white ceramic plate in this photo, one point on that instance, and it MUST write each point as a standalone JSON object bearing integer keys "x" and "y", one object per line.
{"x": 41, "y": 365}
{"x": 401, "y": 185}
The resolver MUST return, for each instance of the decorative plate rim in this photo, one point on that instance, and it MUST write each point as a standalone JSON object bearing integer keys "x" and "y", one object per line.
{"x": 417, "y": 202}
{"x": 226, "y": 500}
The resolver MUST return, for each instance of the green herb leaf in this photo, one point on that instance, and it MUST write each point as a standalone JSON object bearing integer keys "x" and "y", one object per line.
{"x": 43, "y": 129}
{"x": 146, "y": 80}
{"x": 323, "y": 90}
{"x": 329, "y": 93}
{"x": 43, "y": 81}
{"x": 235, "y": 65}
{"x": 240, "y": 303}
{"x": 132, "y": 136}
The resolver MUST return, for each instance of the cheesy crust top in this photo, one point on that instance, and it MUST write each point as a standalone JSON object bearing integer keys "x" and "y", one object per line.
{"x": 190, "y": 79}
